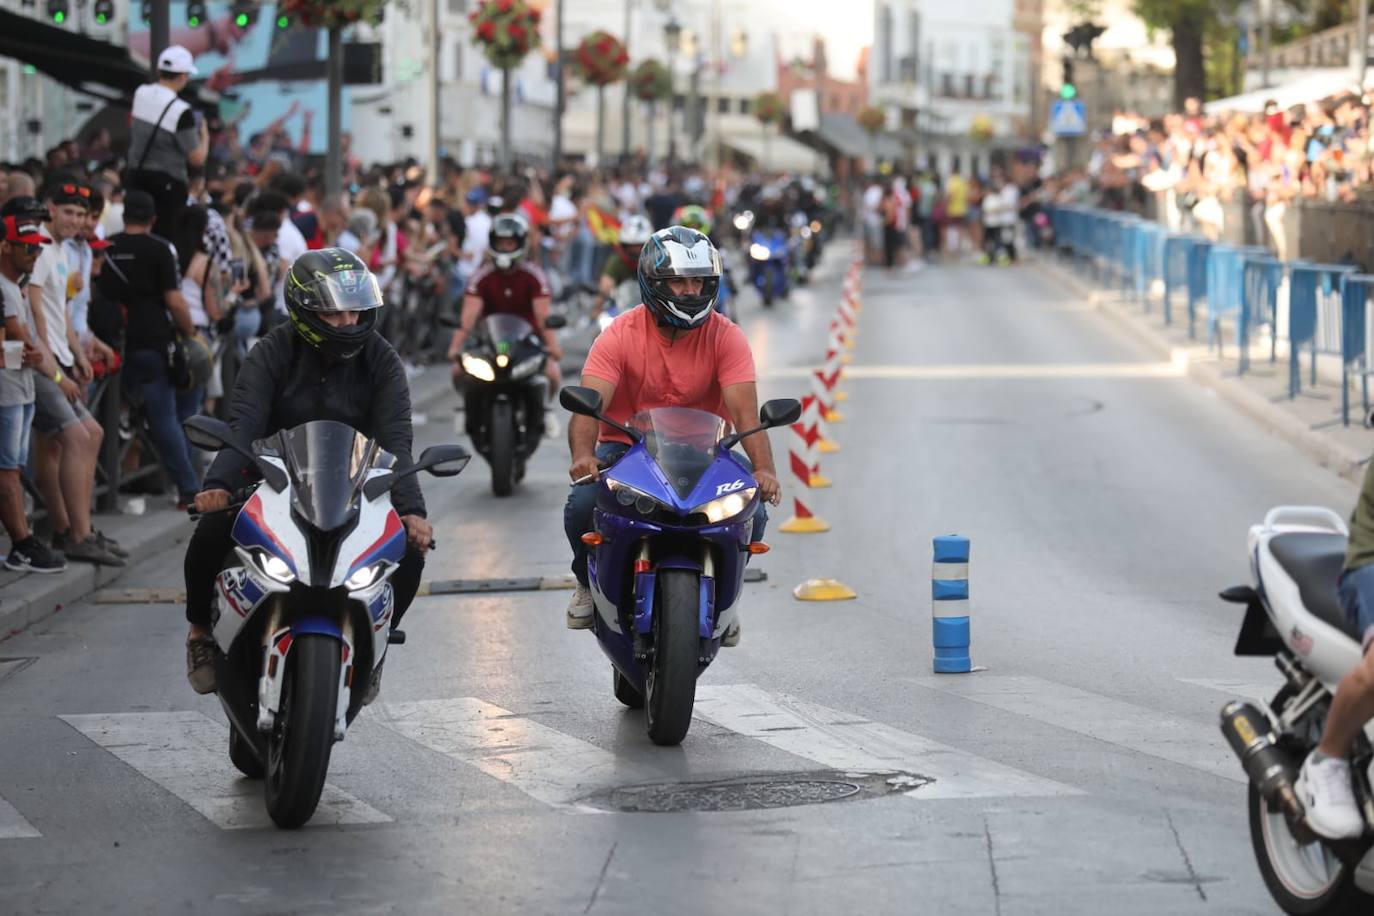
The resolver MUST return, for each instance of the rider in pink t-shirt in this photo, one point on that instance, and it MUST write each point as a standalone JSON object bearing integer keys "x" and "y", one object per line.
{"x": 675, "y": 350}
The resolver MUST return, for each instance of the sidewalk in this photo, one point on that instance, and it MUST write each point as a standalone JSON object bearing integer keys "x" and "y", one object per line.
{"x": 158, "y": 532}
{"x": 1311, "y": 421}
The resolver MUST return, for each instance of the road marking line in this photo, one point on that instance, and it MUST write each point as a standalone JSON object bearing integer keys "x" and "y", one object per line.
{"x": 1172, "y": 369}
{"x": 542, "y": 762}
{"x": 12, "y": 824}
{"x": 1250, "y": 690}
{"x": 844, "y": 741}
{"x": 187, "y": 754}
{"x": 1126, "y": 725}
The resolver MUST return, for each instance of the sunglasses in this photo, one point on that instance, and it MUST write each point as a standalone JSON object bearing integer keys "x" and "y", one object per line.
{"x": 79, "y": 190}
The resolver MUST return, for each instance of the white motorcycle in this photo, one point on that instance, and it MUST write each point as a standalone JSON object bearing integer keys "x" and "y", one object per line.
{"x": 304, "y": 603}
{"x": 1294, "y": 616}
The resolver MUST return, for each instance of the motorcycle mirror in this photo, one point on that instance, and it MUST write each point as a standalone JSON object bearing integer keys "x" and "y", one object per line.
{"x": 579, "y": 400}
{"x": 213, "y": 435}
{"x": 780, "y": 412}
{"x": 555, "y": 322}
{"x": 445, "y": 460}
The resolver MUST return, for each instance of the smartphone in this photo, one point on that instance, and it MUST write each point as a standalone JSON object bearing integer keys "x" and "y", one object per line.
{"x": 238, "y": 270}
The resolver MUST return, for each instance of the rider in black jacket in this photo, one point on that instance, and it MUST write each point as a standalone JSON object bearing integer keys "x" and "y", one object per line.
{"x": 326, "y": 363}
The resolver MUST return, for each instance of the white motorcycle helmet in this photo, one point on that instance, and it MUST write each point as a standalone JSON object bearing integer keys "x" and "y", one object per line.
{"x": 635, "y": 231}
{"x": 505, "y": 227}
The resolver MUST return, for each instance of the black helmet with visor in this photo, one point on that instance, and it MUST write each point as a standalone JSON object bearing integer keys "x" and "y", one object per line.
{"x": 332, "y": 280}
{"x": 506, "y": 227}
{"x": 679, "y": 253}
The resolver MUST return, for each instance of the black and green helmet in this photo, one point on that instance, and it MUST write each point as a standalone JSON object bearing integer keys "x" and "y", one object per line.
{"x": 332, "y": 280}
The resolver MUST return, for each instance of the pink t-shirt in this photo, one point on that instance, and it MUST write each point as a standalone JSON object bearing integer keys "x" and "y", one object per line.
{"x": 648, "y": 370}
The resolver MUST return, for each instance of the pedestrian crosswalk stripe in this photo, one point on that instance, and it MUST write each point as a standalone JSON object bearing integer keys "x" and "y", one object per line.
{"x": 843, "y": 741}
{"x": 542, "y": 762}
{"x": 1126, "y": 725}
{"x": 1236, "y": 687}
{"x": 12, "y": 824}
{"x": 187, "y": 754}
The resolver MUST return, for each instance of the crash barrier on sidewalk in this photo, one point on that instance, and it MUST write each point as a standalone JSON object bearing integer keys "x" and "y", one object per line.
{"x": 949, "y": 605}
{"x": 1356, "y": 346}
{"x": 1307, "y": 305}
{"x": 818, "y": 408}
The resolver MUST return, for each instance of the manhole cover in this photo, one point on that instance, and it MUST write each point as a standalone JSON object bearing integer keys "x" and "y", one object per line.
{"x": 749, "y": 793}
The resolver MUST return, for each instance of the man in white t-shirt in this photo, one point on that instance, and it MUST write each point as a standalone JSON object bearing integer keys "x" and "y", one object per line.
{"x": 67, "y": 444}
{"x": 478, "y": 222}
{"x": 873, "y": 220}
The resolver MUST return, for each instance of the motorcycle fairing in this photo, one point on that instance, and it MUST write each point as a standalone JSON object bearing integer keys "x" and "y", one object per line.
{"x": 378, "y": 537}
{"x": 265, "y": 523}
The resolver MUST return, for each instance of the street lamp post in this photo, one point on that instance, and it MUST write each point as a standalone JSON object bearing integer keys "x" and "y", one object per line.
{"x": 672, "y": 38}
{"x": 625, "y": 93}
{"x": 562, "y": 102}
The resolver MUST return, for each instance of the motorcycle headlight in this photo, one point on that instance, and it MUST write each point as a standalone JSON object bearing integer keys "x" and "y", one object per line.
{"x": 805, "y": 232}
{"x": 478, "y": 368}
{"x": 726, "y": 507}
{"x": 742, "y": 221}
{"x": 815, "y": 225}
{"x": 759, "y": 252}
{"x": 526, "y": 366}
{"x": 273, "y": 567}
{"x": 628, "y": 496}
{"x": 365, "y": 578}
{"x": 502, "y": 360}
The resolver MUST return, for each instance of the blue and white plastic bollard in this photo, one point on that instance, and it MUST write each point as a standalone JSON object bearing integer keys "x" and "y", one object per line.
{"x": 949, "y": 607}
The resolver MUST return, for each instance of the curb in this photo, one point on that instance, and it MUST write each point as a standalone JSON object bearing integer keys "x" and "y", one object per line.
{"x": 50, "y": 594}
{"x": 1340, "y": 459}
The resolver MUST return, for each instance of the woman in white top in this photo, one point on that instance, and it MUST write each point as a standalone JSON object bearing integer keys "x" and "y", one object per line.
{"x": 198, "y": 283}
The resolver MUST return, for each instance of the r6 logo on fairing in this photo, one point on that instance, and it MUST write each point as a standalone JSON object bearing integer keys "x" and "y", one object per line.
{"x": 729, "y": 487}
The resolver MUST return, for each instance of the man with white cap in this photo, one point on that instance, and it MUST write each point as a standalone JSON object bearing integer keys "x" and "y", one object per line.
{"x": 166, "y": 135}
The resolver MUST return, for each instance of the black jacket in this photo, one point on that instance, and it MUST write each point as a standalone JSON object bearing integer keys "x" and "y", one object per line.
{"x": 286, "y": 382}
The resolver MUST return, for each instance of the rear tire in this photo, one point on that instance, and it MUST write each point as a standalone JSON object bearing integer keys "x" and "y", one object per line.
{"x": 502, "y": 434}
{"x": 670, "y": 688}
{"x": 1303, "y": 880}
{"x": 625, "y": 691}
{"x": 242, "y": 756}
{"x": 298, "y": 748}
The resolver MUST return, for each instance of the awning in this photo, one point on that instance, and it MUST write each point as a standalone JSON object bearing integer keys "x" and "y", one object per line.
{"x": 780, "y": 153}
{"x": 1312, "y": 86}
{"x": 844, "y": 134}
{"x": 86, "y": 64}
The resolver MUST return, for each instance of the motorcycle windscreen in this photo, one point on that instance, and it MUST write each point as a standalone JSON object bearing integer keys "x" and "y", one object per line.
{"x": 507, "y": 329}
{"x": 682, "y": 441}
{"x": 326, "y": 462}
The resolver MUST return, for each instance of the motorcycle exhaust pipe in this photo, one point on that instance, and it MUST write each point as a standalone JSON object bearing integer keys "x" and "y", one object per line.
{"x": 1269, "y": 767}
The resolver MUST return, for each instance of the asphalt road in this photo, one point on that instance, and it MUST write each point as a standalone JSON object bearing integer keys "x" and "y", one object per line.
{"x": 1107, "y": 501}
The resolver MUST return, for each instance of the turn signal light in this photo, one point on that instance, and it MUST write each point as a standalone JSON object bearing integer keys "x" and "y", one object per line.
{"x": 591, "y": 539}
{"x": 758, "y": 547}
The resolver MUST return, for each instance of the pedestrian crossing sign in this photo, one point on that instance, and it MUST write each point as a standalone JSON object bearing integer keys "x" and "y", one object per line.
{"x": 1068, "y": 118}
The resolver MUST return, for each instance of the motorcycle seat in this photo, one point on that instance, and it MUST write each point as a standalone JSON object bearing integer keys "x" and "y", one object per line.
{"x": 1315, "y": 560}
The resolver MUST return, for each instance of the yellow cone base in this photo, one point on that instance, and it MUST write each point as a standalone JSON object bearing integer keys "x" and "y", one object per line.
{"x": 849, "y": 342}
{"x": 827, "y": 447}
{"x": 841, "y": 395}
{"x": 823, "y": 590}
{"x": 834, "y": 416}
{"x": 819, "y": 482}
{"x": 847, "y": 358}
{"x": 810, "y": 525}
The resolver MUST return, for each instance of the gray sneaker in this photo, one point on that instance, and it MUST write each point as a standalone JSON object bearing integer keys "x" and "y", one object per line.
{"x": 91, "y": 551}
{"x": 580, "y": 609}
{"x": 200, "y": 664}
{"x": 110, "y": 544}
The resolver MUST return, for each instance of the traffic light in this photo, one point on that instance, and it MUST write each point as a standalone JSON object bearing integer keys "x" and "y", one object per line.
{"x": 283, "y": 21}
{"x": 147, "y": 10}
{"x": 1067, "y": 89}
{"x": 58, "y": 10}
{"x": 245, "y": 13}
{"x": 103, "y": 10}
{"x": 195, "y": 14}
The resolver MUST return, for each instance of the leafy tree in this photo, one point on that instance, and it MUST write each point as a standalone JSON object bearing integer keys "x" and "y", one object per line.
{"x": 1189, "y": 23}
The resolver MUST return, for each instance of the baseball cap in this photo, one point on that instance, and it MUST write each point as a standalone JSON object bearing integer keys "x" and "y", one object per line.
{"x": 477, "y": 196}
{"x": 22, "y": 231}
{"x": 139, "y": 207}
{"x": 176, "y": 59}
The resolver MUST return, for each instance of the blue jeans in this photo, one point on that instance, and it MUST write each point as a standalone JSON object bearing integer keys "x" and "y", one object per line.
{"x": 145, "y": 371}
{"x": 1356, "y": 592}
{"x": 577, "y": 514}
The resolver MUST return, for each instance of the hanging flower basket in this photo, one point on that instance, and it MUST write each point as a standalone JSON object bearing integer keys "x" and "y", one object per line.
{"x": 981, "y": 129}
{"x": 872, "y": 119}
{"x": 505, "y": 30}
{"x": 770, "y": 108}
{"x": 330, "y": 14}
{"x": 651, "y": 82}
{"x": 601, "y": 59}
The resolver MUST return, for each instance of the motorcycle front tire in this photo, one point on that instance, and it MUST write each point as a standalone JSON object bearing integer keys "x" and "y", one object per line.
{"x": 670, "y": 688}
{"x": 501, "y": 431}
{"x": 303, "y": 737}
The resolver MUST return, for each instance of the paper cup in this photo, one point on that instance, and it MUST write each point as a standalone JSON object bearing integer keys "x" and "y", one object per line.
{"x": 14, "y": 354}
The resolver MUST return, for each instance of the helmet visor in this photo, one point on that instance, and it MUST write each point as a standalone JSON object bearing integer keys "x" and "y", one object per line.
{"x": 678, "y": 261}
{"x": 341, "y": 291}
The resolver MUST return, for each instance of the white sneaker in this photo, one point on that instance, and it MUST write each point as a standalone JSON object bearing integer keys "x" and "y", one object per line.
{"x": 580, "y": 609}
{"x": 731, "y": 636}
{"x": 1324, "y": 788}
{"x": 551, "y": 427}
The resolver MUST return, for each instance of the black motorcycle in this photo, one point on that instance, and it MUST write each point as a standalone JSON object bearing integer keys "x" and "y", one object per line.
{"x": 504, "y": 390}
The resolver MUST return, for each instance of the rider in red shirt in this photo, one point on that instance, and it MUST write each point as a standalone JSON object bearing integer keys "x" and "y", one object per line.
{"x": 506, "y": 284}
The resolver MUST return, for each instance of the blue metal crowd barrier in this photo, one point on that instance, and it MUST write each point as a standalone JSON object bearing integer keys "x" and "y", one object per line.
{"x": 1355, "y": 330}
{"x": 1259, "y": 300}
{"x": 1175, "y": 265}
{"x": 1149, "y": 259}
{"x": 1226, "y": 288}
{"x": 1312, "y": 288}
{"x": 1199, "y": 251}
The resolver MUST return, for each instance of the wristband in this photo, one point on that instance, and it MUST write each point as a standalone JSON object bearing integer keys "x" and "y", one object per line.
{"x": 58, "y": 376}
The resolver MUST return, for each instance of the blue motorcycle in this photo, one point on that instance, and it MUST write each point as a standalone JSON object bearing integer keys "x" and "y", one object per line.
{"x": 669, "y": 543}
{"x": 770, "y": 258}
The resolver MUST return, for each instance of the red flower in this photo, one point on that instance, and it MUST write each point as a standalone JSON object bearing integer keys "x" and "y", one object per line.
{"x": 486, "y": 31}
{"x": 533, "y": 15}
{"x": 622, "y": 59}
{"x": 516, "y": 31}
{"x": 603, "y": 46}
{"x": 504, "y": 5}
